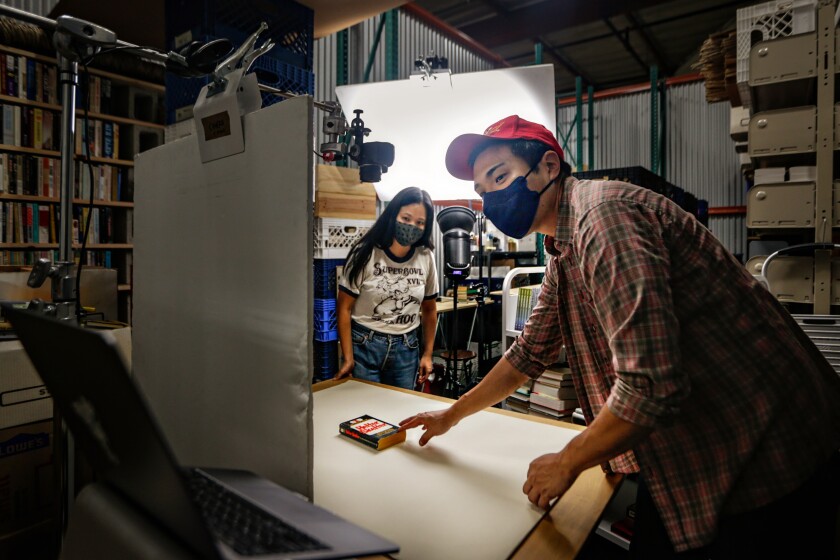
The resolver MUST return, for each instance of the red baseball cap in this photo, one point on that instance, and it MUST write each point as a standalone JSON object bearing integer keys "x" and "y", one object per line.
{"x": 509, "y": 128}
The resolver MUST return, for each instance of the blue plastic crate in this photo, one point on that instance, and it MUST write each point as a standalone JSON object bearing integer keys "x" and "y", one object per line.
{"x": 324, "y": 310}
{"x": 325, "y": 359}
{"x": 326, "y": 336}
{"x": 290, "y": 24}
{"x": 324, "y": 275}
{"x": 325, "y": 320}
{"x": 183, "y": 92}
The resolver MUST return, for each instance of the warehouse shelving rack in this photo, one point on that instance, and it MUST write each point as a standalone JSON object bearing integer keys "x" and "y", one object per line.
{"x": 792, "y": 90}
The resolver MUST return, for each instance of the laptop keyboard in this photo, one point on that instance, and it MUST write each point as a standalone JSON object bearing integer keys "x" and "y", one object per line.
{"x": 244, "y": 527}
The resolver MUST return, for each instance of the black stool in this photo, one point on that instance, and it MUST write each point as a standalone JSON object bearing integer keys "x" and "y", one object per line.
{"x": 453, "y": 387}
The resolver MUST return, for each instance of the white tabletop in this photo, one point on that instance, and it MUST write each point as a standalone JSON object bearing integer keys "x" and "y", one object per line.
{"x": 460, "y": 496}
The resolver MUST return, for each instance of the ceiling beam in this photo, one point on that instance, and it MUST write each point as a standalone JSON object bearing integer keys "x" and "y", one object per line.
{"x": 626, "y": 42}
{"x": 546, "y": 17}
{"x": 671, "y": 19}
{"x": 651, "y": 43}
{"x": 564, "y": 61}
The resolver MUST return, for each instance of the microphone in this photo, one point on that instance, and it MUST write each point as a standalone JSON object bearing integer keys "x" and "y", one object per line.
{"x": 456, "y": 223}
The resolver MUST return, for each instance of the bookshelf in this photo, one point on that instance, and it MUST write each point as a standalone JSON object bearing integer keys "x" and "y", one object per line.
{"x": 125, "y": 117}
{"x": 510, "y": 302}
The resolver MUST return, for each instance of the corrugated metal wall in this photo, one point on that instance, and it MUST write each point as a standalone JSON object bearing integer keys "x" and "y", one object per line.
{"x": 38, "y": 7}
{"x": 699, "y": 154}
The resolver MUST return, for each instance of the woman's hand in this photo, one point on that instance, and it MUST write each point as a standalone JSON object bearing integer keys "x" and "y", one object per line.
{"x": 346, "y": 370}
{"x": 425, "y": 369}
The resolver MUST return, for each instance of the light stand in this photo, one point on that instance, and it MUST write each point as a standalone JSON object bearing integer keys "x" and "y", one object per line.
{"x": 456, "y": 223}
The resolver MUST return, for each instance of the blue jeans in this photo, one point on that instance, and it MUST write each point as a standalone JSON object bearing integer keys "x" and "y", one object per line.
{"x": 392, "y": 359}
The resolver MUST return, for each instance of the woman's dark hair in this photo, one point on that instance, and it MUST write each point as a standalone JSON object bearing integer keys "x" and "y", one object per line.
{"x": 529, "y": 150}
{"x": 381, "y": 234}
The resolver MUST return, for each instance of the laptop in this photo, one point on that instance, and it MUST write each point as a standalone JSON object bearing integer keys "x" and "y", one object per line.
{"x": 113, "y": 425}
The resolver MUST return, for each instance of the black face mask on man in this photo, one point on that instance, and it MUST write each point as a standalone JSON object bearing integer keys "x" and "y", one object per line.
{"x": 514, "y": 208}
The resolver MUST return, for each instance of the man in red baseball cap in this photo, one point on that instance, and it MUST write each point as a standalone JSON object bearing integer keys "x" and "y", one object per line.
{"x": 683, "y": 364}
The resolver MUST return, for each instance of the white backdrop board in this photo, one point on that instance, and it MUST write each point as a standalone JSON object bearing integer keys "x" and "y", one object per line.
{"x": 420, "y": 118}
{"x": 223, "y": 296}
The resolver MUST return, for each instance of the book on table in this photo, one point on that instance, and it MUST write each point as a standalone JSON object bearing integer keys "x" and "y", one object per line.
{"x": 371, "y": 432}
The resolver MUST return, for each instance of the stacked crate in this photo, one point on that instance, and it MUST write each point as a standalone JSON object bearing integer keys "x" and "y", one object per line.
{"x": 287, "y": 66}
{"x": 345, "y": 209}
{"x": 641, "y": 177}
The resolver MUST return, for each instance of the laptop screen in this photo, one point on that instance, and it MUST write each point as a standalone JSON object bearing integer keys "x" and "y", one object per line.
{"x": 110, "y": 421}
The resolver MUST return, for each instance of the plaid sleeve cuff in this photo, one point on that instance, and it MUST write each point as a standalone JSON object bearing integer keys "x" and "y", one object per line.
{"x": 627, "y": 402}
{"x": 520, "y": 358}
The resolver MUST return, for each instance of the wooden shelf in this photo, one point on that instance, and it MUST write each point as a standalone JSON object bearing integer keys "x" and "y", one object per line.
{"x": 96, "y": 72}
{"x": 124, "y": 287}
{"x": 79, "y": 112}
{"x": 51, "y": 153}
{"x": 51, "y": 200}
{"x": 51, "y": 246}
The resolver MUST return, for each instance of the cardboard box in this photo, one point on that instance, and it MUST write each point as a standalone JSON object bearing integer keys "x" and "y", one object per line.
{"x": 340, "y": 194}
{"x": 28, "y": 470}
{"x": 23, "y": 397}
{"x": 28, "y": 476}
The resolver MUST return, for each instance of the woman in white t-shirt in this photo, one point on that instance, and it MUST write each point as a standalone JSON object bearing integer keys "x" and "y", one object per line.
{"x": 387, "y": 291}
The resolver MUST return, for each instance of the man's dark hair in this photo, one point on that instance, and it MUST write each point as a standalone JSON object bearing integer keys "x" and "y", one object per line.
{"x": 529, "y": 150}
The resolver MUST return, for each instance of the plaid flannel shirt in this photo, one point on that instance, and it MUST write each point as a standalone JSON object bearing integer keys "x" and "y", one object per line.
{"x": 664, "y": 327}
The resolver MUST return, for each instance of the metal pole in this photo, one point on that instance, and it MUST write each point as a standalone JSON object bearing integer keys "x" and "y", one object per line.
{"x": 392, "y": 45}
{"x": 654, "y": 114}
{"x": 579, "y": 122}
{"x": 590, "y": 121}
{"x": 341, "y": 71}
{"x": 374, "y": 48}
{"x": 68, "y": 77}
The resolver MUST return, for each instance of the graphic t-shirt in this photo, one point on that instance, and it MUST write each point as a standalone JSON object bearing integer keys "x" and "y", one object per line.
{"x": 390, "y": 289}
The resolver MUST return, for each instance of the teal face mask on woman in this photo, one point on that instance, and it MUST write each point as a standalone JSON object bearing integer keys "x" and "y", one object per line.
{"x": 514, "y": 208}
{"x": 407, "y": 234}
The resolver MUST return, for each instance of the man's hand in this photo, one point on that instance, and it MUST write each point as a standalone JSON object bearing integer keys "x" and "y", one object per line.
{"x": 425, "y": 369}
{"x": 434, "y": 423}
{"x": 548, "y": 478}
{"x": 346, "y": 370}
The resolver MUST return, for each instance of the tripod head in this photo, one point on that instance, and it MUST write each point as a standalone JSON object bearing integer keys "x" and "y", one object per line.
{"x": 478, "y": 291}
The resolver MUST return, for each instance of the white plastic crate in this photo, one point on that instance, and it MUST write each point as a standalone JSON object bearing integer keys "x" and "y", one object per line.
{"x": 333, "y": 237}
{"x": 780, "y": 18}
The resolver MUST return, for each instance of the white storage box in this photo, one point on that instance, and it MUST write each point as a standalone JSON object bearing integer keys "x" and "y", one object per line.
{"x": 781, "y": 205}
{"x": 769, "y": 20}
{"x": 783, "y": 131}
{"x": 333, "y": 237}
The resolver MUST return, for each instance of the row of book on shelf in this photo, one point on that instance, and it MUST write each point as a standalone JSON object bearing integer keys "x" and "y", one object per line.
{"x": 30, "y": 222}
{"x": 23, "y": 174}
{"x": 552, "y": 395}
{"x": 32, "y": 127}
{"x": 526, "y": 300}
{"x": 102, "y": 259}
{"x": 26, "y": 78}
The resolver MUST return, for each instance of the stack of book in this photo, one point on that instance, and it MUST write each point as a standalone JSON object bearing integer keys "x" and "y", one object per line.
{"x": 553, "y": 394}
{"x": 519, "y": 400}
